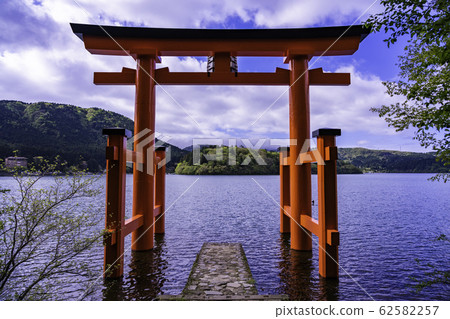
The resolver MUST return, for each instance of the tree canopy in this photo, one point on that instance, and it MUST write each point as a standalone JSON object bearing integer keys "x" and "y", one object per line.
{"x": 424, "y": 71}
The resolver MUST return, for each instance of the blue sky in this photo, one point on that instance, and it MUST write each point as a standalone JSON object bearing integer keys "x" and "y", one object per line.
{"x": 42, "y": 60}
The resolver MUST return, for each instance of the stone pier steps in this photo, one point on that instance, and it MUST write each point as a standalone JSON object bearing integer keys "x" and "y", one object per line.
{"x": 221, "y": 272}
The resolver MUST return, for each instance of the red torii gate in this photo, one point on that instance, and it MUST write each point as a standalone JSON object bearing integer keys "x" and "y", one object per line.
{"x": 297, "y": 46}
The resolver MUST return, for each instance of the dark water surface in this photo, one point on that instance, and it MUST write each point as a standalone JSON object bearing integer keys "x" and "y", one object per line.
{"x": 386, "y": 221}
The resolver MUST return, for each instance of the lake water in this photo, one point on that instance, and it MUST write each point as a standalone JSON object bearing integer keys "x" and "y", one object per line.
{"x": 386, "y": 221}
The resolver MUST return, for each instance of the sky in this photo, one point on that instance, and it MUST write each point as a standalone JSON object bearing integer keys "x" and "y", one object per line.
{"x": 42, "y": 60}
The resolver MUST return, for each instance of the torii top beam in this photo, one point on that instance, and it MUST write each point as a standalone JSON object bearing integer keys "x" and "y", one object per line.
{"x": 156, "y": 42}
{"x": 113, "y": 40}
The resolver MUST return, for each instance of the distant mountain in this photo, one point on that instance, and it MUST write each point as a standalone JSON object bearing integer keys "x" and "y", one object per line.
{"x": 51, "y": 129}
{"x": 382, "y": 161}
{"x": 188, "y": 148}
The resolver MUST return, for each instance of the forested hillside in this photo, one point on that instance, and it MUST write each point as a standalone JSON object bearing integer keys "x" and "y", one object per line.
{"x": 51, "y": 129}
{"x": 382, "y": 161}
{"x": 221, "y": 166}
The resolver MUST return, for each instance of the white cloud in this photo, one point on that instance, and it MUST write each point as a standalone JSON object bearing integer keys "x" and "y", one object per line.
{"x": 292, "y": 13}
{"x": 348, "y": 107}
{"x": 199, "y": 13}
{"x": 42, "y": 60}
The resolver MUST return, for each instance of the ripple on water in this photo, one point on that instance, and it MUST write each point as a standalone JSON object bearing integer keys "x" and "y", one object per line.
{"x": 386, "y": 221}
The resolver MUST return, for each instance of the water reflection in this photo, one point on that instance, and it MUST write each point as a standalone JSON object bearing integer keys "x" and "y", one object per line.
{"x": 329, "y": 289}
{"x": 145, "y": 275}
{"x": 298, "y": 275}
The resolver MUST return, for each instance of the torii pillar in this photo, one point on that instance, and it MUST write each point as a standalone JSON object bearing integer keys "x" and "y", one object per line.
{"x": 143, "y": 179}
{"x": 299, "y": 131}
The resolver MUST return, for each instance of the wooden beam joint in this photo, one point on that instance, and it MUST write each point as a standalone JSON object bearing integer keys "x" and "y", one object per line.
{"x": 332, "y": 237}
{"x": 331, "y": 153}
{"x": 287, "y": 210}
{"x": 126, "y": 77}
{"x": 157, "y": 211}
{"x": 112, "y": 153}
{"x": 140, "y": 52}
{"x": 135, "y": 157}
{"x": 318, "y": 77}
{"x": 313, "y": 156}
{"x": 110, "y": 237}
{"x": 132, "y": 224}
{"x": 310, "y": 224}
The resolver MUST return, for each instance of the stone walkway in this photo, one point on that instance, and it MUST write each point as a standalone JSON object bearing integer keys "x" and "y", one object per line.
{"x": 221, "y": 272}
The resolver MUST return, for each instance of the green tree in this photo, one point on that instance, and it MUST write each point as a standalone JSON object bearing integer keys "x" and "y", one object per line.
{"x": 44, "y": 232}
{"x": 424, "y": 71}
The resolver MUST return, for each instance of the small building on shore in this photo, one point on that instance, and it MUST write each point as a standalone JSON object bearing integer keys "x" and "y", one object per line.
{"x": 13, "y": 161}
